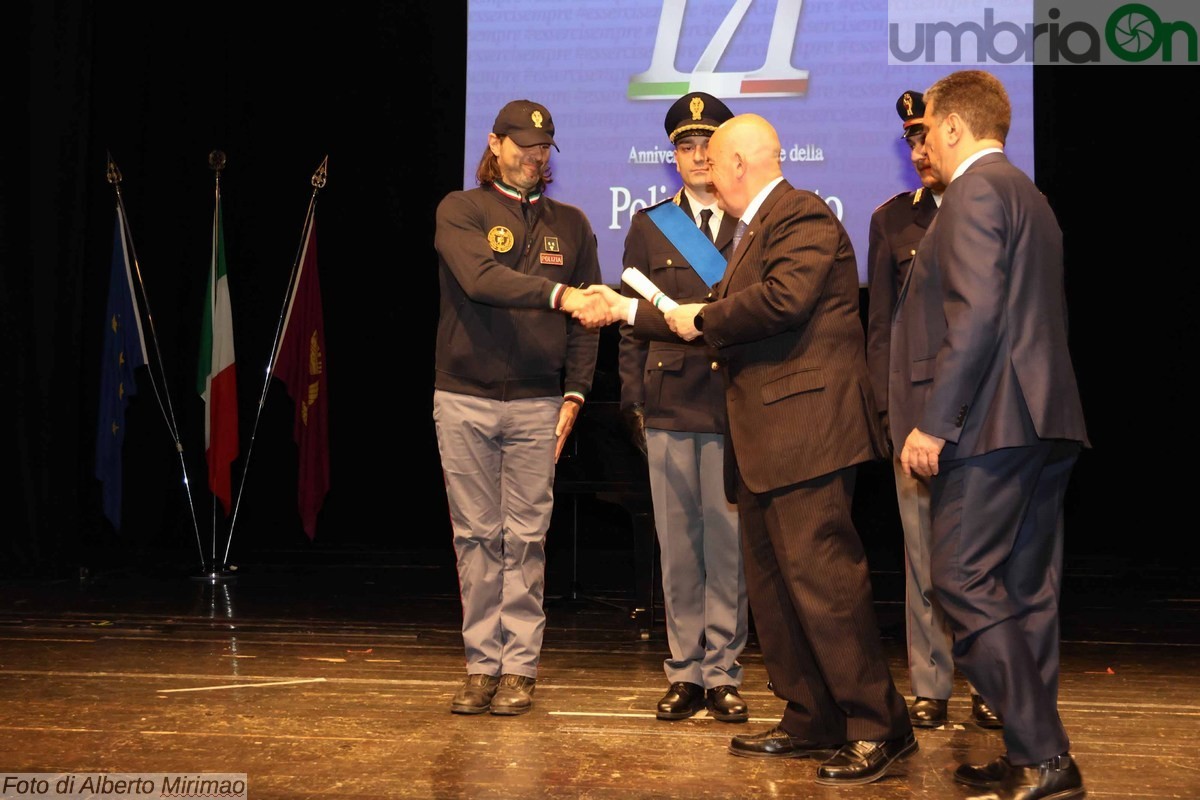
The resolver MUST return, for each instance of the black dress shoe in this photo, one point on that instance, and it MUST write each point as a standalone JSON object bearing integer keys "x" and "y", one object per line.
{"x": 984, "y": 775}
{"x": 926, "y": 712}
{"x": 863, "y": 762}
{"x": 514, "y": 695}
{"x": 1057, "y": 778}
{"x": 725, "y": 704}
{"x": 778, "y": 743}
{"x": 475, "y": 695}
{"x": 681, "y": 701}
{"x": 982, "y": 714}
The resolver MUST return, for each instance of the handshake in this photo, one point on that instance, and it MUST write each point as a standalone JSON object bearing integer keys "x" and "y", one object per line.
{"x": 598, "y": 305}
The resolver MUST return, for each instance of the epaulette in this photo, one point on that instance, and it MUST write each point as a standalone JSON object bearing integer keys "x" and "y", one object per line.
{"x": 674, "y": 200}
{"x": 892, "y": 199}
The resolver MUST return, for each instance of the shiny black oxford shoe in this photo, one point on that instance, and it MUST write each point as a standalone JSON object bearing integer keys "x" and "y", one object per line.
{"x": 983, "y": 715}
{"x": 681, "y": 701}
{"x": 726, "y": 705}
{"x": 927, "y": 712}
{"x": 984, "y": 776}
{"x": 1057, "y": 778}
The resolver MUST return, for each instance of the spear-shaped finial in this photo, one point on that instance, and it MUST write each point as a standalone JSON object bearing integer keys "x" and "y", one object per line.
{"x": 318, "y": 178}
{"x": 112, "y": 173}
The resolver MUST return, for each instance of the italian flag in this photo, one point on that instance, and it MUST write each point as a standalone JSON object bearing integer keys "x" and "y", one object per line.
{"x": 216, "y": 380}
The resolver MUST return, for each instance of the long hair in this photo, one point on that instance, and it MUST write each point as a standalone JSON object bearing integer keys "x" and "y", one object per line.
{"x": 488, "y": 170}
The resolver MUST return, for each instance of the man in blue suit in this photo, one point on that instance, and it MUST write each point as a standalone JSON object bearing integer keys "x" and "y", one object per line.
{"x": 983, "y": 402}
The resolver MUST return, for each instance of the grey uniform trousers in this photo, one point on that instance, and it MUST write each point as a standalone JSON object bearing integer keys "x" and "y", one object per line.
{"x": 704, "y": 587}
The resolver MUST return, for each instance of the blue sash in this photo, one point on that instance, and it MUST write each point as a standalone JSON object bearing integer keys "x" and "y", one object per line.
{"x": 682, "y": 231}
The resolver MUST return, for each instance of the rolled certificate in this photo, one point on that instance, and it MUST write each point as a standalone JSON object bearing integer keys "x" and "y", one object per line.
{"x": 646, "y": 288}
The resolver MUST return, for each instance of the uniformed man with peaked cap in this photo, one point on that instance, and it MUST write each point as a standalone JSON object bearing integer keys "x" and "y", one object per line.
{"x": 897, "y": 226}
{"x": 673, "y": 396}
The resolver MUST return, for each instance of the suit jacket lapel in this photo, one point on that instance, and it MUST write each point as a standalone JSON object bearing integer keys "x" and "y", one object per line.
{"x": 735, "y": 259}
{"x": 724, "y": 238}
{"x": 929, "y": 215}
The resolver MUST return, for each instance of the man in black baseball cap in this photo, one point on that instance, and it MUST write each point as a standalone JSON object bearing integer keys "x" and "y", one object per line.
{"x": 512, "y": 371}
{"x": 674, "y": 399}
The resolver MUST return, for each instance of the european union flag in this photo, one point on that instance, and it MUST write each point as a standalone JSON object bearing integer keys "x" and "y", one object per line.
{"x": 124, "y": 352}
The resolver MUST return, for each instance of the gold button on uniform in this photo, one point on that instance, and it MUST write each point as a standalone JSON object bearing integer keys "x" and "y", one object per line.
{"x": 660, "y": 363}
{"x": 715, "y": 366}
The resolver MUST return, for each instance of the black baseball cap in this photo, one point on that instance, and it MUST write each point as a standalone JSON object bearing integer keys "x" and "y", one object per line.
{"x": 525, "y": 122}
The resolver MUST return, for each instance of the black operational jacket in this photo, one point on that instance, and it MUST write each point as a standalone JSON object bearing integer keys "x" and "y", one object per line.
{"x": 502, "y": 265}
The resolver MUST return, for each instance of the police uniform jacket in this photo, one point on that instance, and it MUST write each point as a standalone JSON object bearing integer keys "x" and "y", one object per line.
{"x": 678, "y": 382}
{"x": 499, "y": 263}
{"x": 897, "y": 227}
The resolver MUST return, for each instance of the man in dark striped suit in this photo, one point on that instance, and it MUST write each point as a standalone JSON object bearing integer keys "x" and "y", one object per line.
{"x": 785, "y": 322}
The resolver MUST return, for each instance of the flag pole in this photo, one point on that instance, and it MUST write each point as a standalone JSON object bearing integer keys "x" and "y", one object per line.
{"x": 318, "y": 183}
{"x": 161, "y": 394}
{"x": 216, "y": 162}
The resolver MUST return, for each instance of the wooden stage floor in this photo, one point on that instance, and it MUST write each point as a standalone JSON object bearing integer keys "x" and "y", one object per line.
{"x": 334, "y": 681}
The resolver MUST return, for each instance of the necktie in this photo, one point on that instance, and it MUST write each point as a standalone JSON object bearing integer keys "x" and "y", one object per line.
{"x": 705, "y": 218}
{"x": 737, "y": 233}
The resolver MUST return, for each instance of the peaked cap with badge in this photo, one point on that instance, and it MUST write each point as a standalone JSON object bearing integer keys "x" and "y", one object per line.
{"x": 911, "y": 108}
{"x": 695, "y": 114}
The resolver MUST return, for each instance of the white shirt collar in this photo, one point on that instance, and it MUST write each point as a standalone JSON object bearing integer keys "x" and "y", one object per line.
{"x": 697, "y": 207}
{"x": 752, "y": 208}
{"x": 971, "y": 159}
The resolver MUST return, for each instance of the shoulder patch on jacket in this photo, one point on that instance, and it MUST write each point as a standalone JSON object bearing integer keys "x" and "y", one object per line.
{"x": 672, "y": 199}
{"x": 893, "y": 199}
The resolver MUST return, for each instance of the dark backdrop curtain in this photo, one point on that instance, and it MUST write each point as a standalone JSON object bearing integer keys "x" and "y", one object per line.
{"x": 379, "y": 88}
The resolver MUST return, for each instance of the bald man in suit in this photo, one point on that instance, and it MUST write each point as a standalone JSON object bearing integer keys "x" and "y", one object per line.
{"x": 984, "y": 404}
{"x": 785, "y": 322}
